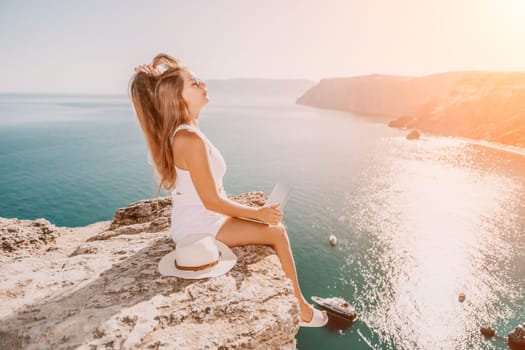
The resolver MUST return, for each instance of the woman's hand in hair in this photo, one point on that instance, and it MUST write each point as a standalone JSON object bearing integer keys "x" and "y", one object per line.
{"x": 148, "y": 69}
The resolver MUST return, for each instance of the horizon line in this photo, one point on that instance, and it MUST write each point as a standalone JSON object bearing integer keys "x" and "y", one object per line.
{"x": 121, "y": 93}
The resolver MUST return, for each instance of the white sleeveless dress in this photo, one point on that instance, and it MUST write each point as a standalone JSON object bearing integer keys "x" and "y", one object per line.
{"x": 188, "y": 214}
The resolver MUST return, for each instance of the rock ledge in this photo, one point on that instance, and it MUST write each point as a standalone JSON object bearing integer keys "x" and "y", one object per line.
{"x": 97, "y": 287}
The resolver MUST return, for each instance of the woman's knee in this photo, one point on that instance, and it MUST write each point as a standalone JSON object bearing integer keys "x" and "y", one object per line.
{"x": 279, "y": 235}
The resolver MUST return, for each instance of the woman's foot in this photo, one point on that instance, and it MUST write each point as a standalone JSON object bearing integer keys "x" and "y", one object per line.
{"x": 307, "y": 313}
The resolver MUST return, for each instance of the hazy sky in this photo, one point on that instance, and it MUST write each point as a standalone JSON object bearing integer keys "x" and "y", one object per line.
{"x": 92, "y": 46}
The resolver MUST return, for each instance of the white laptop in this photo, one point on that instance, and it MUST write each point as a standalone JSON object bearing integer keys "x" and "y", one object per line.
{"x": 280, "y": 194}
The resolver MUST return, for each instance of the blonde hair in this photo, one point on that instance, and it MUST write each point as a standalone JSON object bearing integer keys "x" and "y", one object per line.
{"x": 160, "y": 109}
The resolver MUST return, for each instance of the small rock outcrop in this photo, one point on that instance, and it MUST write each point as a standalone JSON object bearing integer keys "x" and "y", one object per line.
{"x": 517, "y": 337}
{"x": 98, "y": 287}
{"x": 413, "y": 135}
{"x": 27, "y": 235}
{"x": 402, "y": 122}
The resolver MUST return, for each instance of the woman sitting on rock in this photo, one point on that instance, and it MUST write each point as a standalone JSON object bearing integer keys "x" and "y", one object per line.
{"x": 167, "y": 103}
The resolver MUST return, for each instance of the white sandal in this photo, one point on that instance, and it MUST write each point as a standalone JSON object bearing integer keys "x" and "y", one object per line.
{"x": 316, "y": 321}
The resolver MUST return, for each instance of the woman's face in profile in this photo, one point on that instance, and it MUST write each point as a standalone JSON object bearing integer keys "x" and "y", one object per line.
{"x": 194, "y": 92}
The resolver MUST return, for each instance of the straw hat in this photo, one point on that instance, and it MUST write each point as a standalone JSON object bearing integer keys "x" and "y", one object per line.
{"x": 197, "y": 256}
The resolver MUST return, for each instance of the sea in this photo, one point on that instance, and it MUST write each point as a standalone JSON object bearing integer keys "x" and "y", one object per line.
{"x": 417, "y": 222}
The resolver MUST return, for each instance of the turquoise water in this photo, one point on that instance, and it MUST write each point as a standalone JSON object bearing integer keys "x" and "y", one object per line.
{"x": 417, "y": 222}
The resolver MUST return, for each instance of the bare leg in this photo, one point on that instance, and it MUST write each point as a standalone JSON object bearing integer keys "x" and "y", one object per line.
{"x": 237, "y": 232}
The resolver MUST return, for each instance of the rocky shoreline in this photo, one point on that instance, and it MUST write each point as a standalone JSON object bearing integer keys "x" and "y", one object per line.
{"x": 97, "y": 287}
{"x": 482, "y": 106}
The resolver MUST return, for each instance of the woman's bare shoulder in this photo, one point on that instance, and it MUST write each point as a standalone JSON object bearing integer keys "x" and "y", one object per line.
{"x": 186, "y": 143}
{"x": 185, "y": 139}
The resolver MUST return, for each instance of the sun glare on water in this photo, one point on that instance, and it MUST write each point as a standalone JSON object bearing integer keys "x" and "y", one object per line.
{"x": 436, "y": 226}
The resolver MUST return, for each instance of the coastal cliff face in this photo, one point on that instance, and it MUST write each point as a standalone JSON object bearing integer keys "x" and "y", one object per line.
{"x": 98, "y": 287}
{"x": 380, "y": 96}
{"x": 486, "y": 106}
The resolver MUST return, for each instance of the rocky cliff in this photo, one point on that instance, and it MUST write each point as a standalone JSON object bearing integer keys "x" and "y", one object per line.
{"x": 486, "y": 106}
{"x": 97, "y": 287}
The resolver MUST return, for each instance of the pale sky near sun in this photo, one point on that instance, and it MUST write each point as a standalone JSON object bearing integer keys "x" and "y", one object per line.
{"x": 92, "y": 46}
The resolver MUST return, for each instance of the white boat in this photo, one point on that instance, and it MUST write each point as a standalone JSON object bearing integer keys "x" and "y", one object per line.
{"x": 338, "y": 306}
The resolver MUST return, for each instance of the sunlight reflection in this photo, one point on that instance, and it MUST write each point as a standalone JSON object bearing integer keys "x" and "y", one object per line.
{"x": 429, "y": 240}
